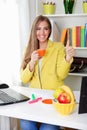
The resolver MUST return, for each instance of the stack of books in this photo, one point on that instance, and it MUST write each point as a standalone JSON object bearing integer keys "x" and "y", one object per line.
{"x": 77, "y": 35}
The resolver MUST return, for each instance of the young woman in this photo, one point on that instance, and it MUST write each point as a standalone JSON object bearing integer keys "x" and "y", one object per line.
{"x": 47, "y": 72}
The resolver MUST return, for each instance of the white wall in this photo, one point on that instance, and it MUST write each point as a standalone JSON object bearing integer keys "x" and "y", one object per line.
{"x": 74, "y": 82}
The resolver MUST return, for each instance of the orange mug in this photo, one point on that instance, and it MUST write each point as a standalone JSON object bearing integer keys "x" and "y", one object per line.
{"x": 41, "y": 52}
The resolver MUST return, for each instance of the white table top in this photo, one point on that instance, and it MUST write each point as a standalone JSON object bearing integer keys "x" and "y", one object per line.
{"x": 42, "y": 112}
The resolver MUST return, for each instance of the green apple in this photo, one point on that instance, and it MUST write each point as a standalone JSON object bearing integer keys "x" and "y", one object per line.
{"x": 57, "y": 92}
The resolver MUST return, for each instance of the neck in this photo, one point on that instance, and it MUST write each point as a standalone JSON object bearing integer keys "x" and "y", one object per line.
{"x": 43, "y": 45}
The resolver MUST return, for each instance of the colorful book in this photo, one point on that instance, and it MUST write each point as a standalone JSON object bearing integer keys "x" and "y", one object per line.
{"x": 85, "y": 35}
{"x": 74, "y": 36}
{"x": 63, "y": 35}
{"x": 82, "y": 44}
{"x": 78, "y": 29}
{"x": 69, "y": 35}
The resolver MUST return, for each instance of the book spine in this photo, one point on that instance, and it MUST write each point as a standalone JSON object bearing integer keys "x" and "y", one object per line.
{"x": 82, "y": 36}
{"x": 78, "y": 36}
{"x": 63, "y": 35}
{"x": 74, "y": 36}
{"x": 85, "y": 35}
{"x": 69, "y": 35}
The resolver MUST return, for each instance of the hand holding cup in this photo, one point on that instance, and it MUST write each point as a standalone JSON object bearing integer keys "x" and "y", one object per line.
{"x": 41, "y": 52}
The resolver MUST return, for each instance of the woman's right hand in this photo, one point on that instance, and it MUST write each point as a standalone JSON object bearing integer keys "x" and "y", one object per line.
{"x": 34, "y": 58}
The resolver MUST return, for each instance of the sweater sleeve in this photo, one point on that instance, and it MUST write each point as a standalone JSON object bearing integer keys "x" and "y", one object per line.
{"x": 63, "y": 66}
{"x": 26, "y": 74}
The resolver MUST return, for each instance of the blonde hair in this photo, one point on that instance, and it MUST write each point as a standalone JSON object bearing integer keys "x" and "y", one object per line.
{"x": 33, "y": 42}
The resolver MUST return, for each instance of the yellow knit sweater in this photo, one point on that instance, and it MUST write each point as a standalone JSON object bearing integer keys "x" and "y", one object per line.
{"x": 54, "y": 69}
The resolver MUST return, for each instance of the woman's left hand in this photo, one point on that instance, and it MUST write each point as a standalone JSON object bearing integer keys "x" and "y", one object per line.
{"x": 69, "y": 51}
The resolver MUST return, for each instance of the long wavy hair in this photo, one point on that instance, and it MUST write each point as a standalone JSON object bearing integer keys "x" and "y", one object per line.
{"x": 33, "y": 42}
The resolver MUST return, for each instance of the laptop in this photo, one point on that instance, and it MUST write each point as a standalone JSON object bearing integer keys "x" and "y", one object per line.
{"x": 10, "y": 96}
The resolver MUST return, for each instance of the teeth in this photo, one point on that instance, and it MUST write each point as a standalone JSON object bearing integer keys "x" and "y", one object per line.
{"x": 41, "y": 36}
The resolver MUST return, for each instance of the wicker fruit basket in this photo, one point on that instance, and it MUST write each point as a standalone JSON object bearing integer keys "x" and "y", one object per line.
{"x": 64, "y": 109}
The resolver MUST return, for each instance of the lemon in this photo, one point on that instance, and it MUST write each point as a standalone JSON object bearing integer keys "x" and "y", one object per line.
{"x": 57, "y": 92}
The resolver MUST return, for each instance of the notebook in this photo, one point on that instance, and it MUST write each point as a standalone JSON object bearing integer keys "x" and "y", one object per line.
{"x": 10, "y": 96}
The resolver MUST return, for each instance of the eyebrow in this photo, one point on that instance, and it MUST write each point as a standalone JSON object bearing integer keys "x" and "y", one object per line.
{"x": 40, "y": 27}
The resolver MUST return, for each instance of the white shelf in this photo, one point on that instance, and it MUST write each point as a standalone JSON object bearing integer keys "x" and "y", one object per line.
{"x": 78, "y": 74}
{"x": 81, "y": 52}
{"x": 59, "y": 7}
{"x": 77, "y": 18}
{"x": 62, "y": 20}
{"x": 66, "y": 15}
{"x": 80, "y": 48}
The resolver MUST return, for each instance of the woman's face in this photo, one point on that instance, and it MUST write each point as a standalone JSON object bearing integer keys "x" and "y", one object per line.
{"x": 42, "y": 32}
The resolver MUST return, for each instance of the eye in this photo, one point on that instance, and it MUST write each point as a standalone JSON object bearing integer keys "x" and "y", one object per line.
{"x": 38, "y": 28}
{"x": 46, "y": 28}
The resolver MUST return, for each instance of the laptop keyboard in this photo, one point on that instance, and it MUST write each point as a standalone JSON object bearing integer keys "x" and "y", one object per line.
{"x": 6, "y": 98}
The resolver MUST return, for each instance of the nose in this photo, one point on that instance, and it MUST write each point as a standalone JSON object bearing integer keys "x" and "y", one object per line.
{"x": 42, "y": 31}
